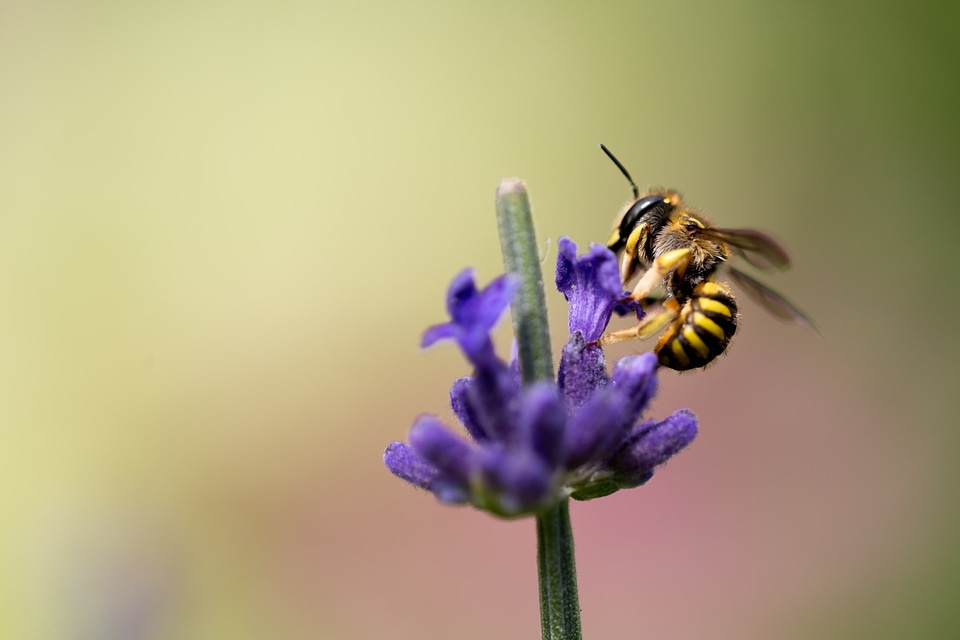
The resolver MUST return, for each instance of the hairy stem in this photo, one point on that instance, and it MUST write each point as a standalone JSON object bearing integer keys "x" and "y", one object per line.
{"x": 556, "y": 565}
{"x": 518, "y": 242}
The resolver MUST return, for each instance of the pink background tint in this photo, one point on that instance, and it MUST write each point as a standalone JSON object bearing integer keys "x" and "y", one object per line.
{"x": 223, "y": 228}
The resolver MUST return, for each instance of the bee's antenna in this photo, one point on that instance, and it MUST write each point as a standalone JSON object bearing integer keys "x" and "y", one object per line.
{"x": 623, "y": 170}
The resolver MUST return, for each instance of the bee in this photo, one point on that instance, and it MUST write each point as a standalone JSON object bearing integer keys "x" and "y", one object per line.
{"x": 679, "y": 247}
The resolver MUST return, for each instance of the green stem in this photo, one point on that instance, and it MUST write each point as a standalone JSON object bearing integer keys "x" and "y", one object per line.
{"x": 529, "y": 308}
{"x": 559, "y": 600}
{"x": 556, "y": 566}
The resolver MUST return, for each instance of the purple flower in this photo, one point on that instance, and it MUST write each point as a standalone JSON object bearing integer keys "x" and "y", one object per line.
{"x": 532, "y": 446}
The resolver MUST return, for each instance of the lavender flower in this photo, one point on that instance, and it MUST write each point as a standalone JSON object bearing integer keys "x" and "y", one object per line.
{"x": 533, "y": 446}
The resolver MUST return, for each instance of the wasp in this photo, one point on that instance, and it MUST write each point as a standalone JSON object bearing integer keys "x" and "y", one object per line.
{"x": 679, "y": 248}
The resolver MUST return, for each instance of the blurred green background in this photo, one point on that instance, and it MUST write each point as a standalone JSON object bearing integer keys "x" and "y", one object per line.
{"x": 225, "y": 224}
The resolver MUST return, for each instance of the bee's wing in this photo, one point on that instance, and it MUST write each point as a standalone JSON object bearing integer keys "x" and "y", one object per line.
{"x": 759, "y": 249}
{"x": 770, "y": 300}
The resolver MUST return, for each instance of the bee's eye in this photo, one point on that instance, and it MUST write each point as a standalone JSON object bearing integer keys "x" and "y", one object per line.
{"x": 649, "y": 202}
{"x": 645, "y": 205}
{"x": 642, "y": 207}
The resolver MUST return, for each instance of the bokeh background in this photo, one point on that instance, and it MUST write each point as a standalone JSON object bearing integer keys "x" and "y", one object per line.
{"x": 223, "y": 226}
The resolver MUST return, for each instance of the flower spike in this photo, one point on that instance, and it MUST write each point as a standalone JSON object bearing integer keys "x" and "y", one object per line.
{"x": 531, "y": 447}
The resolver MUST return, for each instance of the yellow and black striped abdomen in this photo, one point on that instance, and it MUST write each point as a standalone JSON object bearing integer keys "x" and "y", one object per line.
{"x": 702, "y": 330}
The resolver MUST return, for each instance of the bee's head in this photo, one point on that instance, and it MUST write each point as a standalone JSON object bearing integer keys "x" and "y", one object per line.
{"x": 651, "y": 210}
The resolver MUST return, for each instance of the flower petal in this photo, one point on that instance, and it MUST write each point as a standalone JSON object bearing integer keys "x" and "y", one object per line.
{"x": 469, "y": 307}
{"x": 650, "y": 445}
{"x": 514, "y": 481}
{"x": 591, "y": 284}
{"x": 462, "y": 289}
{"x": 515, "y": 363}
{"x": 602, "y": 423}
{"x": 450, "y": 492}
{"x": 636, "y": 378}
{"x": 403, "y": 462}
{"x": 453, "y": 457}
{"x": 473, "y": 314}
{"x": 596, "y": 430}
{"x": 439, "y": 332}
{"x": 582, "y": 371}
{"x": 465, "y": 410}
{"x": 627, "y": 305}
{"x": 493, "y": 398}
{"x": 542, "y": 422}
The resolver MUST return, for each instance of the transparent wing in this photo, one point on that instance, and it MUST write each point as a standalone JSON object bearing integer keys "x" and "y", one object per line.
{"x": 758, "y": 249}
{"x": 770, "y": 300}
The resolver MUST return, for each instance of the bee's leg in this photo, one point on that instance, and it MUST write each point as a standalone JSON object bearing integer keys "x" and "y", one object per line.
{"x": 628, "y": 260}
{"x": 652, "y": 298}
{"x": 676, "y": 260}
{"x": 649, "y": 326}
